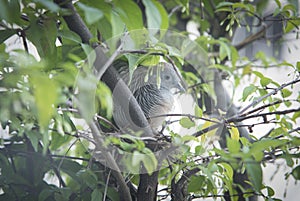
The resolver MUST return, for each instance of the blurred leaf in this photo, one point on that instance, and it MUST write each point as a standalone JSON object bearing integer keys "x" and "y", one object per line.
{"x": 44, "y": 38}
{"x": 234, "y": 133}
{"x": 10, "y": 11}
{"x": 69, "y": 167}
{"x": 69, "y": 35}
{"x": 291, "y": 25}
{"x": 228, "y": 170}
{"x": 157, "y": 16}
{"x": 248, "y": 91}
{"x": 45, "y": 94}
{"x": 5, "y": 34}
{"x": 88, "y": 177}
{"x": 148, "y": 60}
{"x": 296, "y": 172}
{"x": 130, "y": 14}
{"x": 225, "y": 51}
{"x": 286, "y": 93}
{"x": 149, "y": 161}
{"x": 198, "y": 111}
{"x": 264, "y": 81}
{"x": 211, "y": 132}
{"x": 224, "y": 4}
{"x": 186, "y": 122}
{"x": 196, "y": 183}
{"x": 271, "y": 192}
{"x": 298, "y": 66}
{"x": 104, "y": 97}
{"x": 278, "y": 3}
{"x": 48, "y": 4}
{"x": 265, "y": 144}
{"x": 91, "y": 14}
{"x": 254, "y": 172}
{"x": 34, "y": 138}
{"x": 87, "y": 85}
{"x": 97, "y": 195}
{"x": 45, "y": 194}
{"x": 137, "y": 158}
{"x": 58, "y": 140}
{"x": 296, "y": 115}
{"x": 233, "y": 145}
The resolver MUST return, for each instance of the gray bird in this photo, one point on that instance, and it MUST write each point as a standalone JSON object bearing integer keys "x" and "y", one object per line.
{"x": 153, "y": 87}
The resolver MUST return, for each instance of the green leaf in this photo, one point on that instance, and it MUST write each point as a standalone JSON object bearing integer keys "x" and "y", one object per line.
{"x": 58, "y": 140}
{"x": 233, "y": 145}
{"x": 248, "y": 91}
{"x": 148, "y": 60}
{"x": 271, "y": 192}
{"x": 48, "y": 4}
{"x": 264, "y": 81}
{"x": 291, "y": 24}
{"x": 130, "y": 14}
{"x": 228, "y": 170}
{"x": 157, "y": 16}
{"x": 87, "y": 85}
{"x": 117, "y": 28}
{"x": 225, "y": 50}
{"x": 10, "y": 11}
{"x": 278, "y": 3}
{"x": 34, "y": 138}
{"x": 46, "y": 193}
{"x": 149, "y": 161}
{"x": 88, "y": 177}
{"x": 254, "y": 172}
{"x": 69, "y": 35}
{"x": 198, "y": 111}
{"x": 97, "y": 194}
{"x": 296, "y": 115}
{"x": 91, "y": 14}
{"x": 45, "y": 94}
{"x": 5, "y": 34}
{"x": 298, "y": 66}
{"x": 137, "y": 158}
{"x": 44, "y": 38}
{"x": 196, "y": 183}
{"x": 69, "y": 167}
{"x": 258, "y": 74}
{"x": 234, "y": 133}
{"x": 259, "y": 147}
{"x": 224, "y": 4}
{"x": 286, "y": 93}
{"x": 296, "y": 172}
{"x": 186, "y": 122}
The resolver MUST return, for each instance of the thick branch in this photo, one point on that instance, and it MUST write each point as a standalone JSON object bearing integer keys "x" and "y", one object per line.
{"x": 110, "y": 77}
{"x": 250, "y": 39}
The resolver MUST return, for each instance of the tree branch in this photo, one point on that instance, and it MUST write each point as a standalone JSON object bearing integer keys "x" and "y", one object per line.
{"x": 110, "y": 77}
{"x": 275, "y": 91}
{"x": 250, "y": 39}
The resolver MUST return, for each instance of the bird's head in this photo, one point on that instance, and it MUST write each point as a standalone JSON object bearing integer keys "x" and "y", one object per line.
{"x": 165, "y": 76}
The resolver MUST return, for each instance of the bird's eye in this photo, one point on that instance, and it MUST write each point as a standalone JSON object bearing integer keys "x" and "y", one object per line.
{"x": 167, "y": 77}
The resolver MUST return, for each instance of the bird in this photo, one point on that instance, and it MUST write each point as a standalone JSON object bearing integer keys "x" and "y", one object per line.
{"x": 154, "y": 88}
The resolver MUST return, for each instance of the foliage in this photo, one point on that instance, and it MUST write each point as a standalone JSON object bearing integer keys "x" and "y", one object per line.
{"x": 46, "y": 153}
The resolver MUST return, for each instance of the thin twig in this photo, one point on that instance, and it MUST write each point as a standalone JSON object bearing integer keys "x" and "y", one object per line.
{"x": 106, "y": 186}
{"x": 241, "y": 118}
{"x": 109, "y": 158}
{"x": 275, "y": 91}
{"x": 185, "y": 115}
{"x": 264, "y": 107}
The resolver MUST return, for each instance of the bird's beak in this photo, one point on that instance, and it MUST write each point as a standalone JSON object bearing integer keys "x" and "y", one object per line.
{"x": 181, "y": 88}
